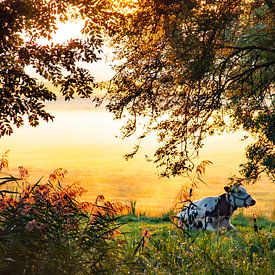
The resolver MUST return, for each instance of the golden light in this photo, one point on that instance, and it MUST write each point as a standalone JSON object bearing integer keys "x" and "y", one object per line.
{"x": 125, "y": 6}
{"x": 65, "y": 32}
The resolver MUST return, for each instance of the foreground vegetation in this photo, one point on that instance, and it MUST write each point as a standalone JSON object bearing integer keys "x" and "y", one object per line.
{"x": 164, "y": 249}
{"x": 45, "y": 229}
{"x": 62, "y": 238}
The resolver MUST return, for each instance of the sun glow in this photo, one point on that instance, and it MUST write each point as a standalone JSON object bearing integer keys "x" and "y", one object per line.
{"x": 64, "y": 32}
{"x": 72, "y": 29}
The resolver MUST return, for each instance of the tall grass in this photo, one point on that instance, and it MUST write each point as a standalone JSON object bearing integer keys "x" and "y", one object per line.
{"x": 169, "y": 251}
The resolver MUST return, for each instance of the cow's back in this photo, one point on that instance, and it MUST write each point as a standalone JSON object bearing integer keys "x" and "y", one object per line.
{"x": 198, "y": 209}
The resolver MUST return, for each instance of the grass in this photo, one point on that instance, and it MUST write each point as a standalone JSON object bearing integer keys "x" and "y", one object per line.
{"x": 245, "y": 222}
{"x": 167, "y": 250}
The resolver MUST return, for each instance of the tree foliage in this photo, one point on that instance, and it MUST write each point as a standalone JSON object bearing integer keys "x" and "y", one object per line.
{"x": 196, "y": 68}
{"x": 23, "y": 23}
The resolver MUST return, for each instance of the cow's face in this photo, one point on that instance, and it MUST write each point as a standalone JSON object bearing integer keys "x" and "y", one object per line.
{"x": 238, "y": 196}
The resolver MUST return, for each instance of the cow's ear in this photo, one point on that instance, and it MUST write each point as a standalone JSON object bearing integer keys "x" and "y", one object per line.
{"x": 227, "y": 189}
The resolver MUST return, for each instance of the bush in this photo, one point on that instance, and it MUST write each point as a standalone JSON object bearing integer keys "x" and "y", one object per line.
{"x": 44, "y": 229}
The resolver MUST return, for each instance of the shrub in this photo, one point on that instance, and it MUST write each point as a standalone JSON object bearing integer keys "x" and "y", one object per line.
{"x": 44, "y": 229}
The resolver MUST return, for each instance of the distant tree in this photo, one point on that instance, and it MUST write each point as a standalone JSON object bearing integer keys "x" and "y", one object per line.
{"x": 22, "y": 23}
{"x": 197, "y": 68}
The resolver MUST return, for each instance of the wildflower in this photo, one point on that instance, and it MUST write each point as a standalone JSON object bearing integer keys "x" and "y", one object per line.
{"x": 58, "y": 175}
{"x": 6, "y": 202}
{"x": 28, "y": 200}
{"x": 143, "y": 241}
{"x": 99, "y": 198}
{"x": 146, "y": 235}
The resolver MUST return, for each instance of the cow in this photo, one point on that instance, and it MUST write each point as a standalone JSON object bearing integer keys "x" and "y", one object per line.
{"x": 214, "y": 213}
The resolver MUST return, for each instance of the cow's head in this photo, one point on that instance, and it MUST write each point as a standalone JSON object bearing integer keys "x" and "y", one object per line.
{"x": 238, "y": 196}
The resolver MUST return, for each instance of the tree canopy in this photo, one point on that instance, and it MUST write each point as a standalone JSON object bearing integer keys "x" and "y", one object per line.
{"x": 197, "y": 68}
{"x": 23, "y": 23}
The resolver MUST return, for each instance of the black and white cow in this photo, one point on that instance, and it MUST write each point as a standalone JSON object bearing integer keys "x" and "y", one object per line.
{"x": 214, "y": 213}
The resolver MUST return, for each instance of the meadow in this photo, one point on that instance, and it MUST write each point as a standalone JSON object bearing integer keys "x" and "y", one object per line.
{"x": 193, "y": 78}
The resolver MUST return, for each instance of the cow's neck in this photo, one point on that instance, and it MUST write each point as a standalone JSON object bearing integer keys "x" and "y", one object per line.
{"x": 232, "y": 207}
{"x": 223, "y": 208}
